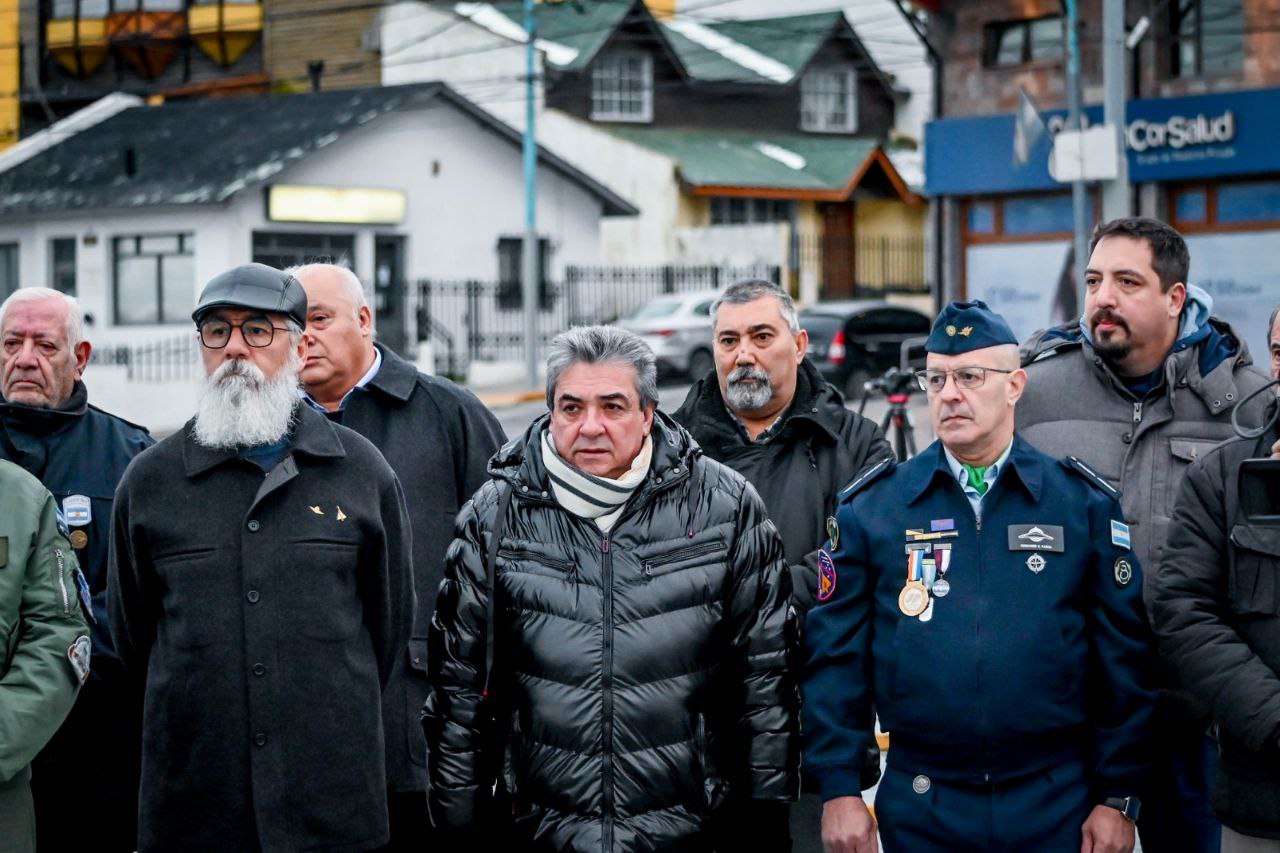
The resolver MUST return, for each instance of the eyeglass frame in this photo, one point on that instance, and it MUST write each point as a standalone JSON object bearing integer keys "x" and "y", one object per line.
{"x": 233, "y": 326}
{"x": 922, "y": 376}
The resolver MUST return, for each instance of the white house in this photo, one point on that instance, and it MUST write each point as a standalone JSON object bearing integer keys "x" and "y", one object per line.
{"x": 134, "y": 213}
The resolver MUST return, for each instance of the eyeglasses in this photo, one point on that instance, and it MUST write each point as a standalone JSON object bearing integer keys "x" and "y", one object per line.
{"x": 256, "y": 331}
{"x": 933, "y": 381}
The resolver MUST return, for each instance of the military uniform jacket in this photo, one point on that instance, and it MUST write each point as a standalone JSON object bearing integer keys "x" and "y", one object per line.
{"x": 267, "y": 612}
{"x": 1217, "y": 614}
{"x": 438, "y": 438}
{"x": 79, "y": 450}
{"x": 1038, "y": 654}
{"x": 40, "y": 621}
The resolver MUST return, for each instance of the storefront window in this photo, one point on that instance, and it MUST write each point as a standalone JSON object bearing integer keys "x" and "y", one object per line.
{"x": 1037, "y": 214}
{"x": 727, "y": 210}
{"x": 1255, "y": 201}
{"x": 1010, "y": 43}
{"x": 62, "y": 264}
{"x": 982, "y": 217}
{"x": 1192, "y": 206}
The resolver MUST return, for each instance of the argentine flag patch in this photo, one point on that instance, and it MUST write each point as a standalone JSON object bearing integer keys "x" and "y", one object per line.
{"x": 1119, "y": 534}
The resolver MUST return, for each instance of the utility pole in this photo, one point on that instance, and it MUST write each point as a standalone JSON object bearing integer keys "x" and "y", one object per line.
{"x": 1079, "y": 195}
{"x": 530, "y": 262}
{"x": 1115, "y": 193}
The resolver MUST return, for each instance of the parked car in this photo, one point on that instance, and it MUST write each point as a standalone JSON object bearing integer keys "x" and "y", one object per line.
{"x": 678, "y": 328}
{"x": 856, "y": 340}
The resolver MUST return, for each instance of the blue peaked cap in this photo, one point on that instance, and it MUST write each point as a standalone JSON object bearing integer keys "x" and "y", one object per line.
{"x": 966, "y": 326}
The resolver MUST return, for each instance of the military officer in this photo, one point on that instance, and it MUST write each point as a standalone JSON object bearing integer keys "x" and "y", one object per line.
{"x": 983, "y": 599}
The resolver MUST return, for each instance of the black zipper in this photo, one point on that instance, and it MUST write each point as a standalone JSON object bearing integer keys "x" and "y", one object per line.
{"x": 683, "y": 554}
{"x": 606, "y": 678}
{"x": 521, "y": 554}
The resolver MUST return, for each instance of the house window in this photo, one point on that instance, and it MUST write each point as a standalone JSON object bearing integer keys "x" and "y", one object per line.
{"x": 62, "y": 264}
{"x": 8, "y": 268}
{"x": 282, "y": 249}
{"x": 1012, "y": 43}
{"x": 510, "y": 287}
{"x": 1207, "y": 36}
{"x": 155, "y": 279}
{"x": 622, "y": 87}
{"x": 749, "y": 211}
{"x": 828, "y": 100}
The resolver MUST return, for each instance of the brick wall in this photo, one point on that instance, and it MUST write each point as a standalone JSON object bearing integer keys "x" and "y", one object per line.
{"x": 338, "y": 32}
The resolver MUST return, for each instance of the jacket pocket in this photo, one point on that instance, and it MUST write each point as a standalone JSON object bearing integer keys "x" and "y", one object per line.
{"x": 415, "y": 697}
{"x": 1255, "y": 563}
{"x": 681, "y": 558}
{"x": 197, "y": 584}
{"x": 323, "y": 591}
{"x": 519, "y": 555}
{"x": 1184, "y": 451}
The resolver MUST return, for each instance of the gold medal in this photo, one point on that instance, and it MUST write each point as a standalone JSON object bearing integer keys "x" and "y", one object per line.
{"x": 913, "y": 599}
{"x": 79, "y": 539}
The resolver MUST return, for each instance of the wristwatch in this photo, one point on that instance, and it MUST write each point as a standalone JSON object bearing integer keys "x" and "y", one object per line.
{"x": 1127, "y": 806}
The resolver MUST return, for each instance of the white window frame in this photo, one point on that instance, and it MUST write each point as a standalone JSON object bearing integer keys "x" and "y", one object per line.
{"x": 622, "y": 87}
{"x": 821, "y": 89}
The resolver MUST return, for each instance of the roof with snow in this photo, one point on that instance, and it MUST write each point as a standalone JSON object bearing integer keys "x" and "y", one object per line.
{"x": 206, "y": 151}
{"x": 770, "y": 51}
{"x": 774, "y": 165}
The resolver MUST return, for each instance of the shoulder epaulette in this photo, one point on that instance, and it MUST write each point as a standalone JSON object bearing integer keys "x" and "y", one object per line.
{"x": 116, "y": 417}
{"x": 867, "y": 477}
{"x": 1092, "y": 476}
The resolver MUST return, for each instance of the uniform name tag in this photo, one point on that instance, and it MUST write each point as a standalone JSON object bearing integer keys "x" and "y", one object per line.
{"x": 1035, "y": 537}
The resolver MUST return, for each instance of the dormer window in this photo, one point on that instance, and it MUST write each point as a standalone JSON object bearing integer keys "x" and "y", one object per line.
{"x": 828, "y": 100}
{"x": 622, "y": 87}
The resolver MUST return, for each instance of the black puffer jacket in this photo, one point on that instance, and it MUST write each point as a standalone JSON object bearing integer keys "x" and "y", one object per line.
{"x": 642, "y": 675}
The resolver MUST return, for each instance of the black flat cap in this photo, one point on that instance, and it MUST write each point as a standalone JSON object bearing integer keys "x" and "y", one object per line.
{"x": 254, "y": 286}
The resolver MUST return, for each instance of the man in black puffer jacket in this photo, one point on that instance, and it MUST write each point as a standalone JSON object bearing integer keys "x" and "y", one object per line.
{"x": 634, "y": 655}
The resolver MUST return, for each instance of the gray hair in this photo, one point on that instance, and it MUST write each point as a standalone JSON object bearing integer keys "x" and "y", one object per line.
{"x": 295, "y": 331}
{"x": 351, "y": 287}
{"x": 1271, "y": 323}
{"x": 600, "y": 345}
{"x": 743, "y": 292}
{"x": 75, "y": 313}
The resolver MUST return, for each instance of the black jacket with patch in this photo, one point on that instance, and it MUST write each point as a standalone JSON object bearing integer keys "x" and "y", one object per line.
{"x": 799, "y": 470}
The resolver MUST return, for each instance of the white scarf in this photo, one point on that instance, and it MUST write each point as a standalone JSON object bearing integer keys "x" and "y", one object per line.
{"x": 588, "y": 496}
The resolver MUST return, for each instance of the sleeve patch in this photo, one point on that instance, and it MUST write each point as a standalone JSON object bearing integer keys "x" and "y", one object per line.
{"x": 78, "y": 653}
{"x": 1120, "y": 534}
{"x": 826, "y": 576}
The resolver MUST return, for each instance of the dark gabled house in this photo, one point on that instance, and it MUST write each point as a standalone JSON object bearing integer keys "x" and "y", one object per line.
{"x": 780, "y": 123}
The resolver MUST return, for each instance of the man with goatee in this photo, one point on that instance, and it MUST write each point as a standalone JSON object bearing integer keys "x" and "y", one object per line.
{"x": 260, "y": 581}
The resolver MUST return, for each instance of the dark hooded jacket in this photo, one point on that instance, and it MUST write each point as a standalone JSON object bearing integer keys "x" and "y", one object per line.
{"x": 799, "y": 469}
{"x": 640, "y": 677}
{"x": 1217, "y": 614}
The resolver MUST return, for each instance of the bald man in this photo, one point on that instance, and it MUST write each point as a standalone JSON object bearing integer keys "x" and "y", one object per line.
{"x": 438, "y": 438}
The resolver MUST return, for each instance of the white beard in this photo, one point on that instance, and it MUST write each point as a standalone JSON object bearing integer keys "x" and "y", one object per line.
{"x": 240, "y": 408}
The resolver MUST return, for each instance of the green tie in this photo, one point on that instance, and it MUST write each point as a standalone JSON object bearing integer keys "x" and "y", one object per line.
{"x": 977, "y": 477}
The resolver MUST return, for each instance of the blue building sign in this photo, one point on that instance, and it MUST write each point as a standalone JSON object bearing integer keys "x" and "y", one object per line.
{"x": 1168, "y": 139}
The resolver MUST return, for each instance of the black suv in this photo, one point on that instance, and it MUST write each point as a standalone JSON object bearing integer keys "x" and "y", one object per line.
{"x": 856, "y": 340}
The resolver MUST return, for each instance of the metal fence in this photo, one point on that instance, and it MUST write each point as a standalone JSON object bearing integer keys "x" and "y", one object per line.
{"x": 866, "y": 266}
{"x": 167, "y": 360}
{"x": 484, "y": 320}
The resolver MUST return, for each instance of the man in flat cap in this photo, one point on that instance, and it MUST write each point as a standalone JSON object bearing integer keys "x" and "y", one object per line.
{"x": 983, "y": 599}
{"x": 260, "y": 581}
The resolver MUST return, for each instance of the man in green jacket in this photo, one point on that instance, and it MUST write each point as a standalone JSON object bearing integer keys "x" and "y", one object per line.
{"x": 44, "y": 642}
